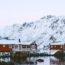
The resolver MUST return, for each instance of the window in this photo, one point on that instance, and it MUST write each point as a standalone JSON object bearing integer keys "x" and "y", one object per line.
{"x": 28, "y": 46}
{"x": 3, "y": 45}
{"x": 33, "y": 46}
{"x": 51, "y": 46}
{"x": 55, "y": 46}
{"x": 13, "y": 46}
{"x": 61, "y": 46}
{"x": 23, "y": 46}
{"x": 16, "y": 46}
{"x": 10, "y": 46}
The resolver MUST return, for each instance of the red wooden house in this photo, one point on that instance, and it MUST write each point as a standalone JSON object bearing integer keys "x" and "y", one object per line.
{"x": 5, "y": 47}
{"x": 57, "y": 47}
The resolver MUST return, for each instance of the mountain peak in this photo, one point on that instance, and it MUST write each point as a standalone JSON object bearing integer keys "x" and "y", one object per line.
{"x": 48, "y": 30}
{"x": 48, "y": 16}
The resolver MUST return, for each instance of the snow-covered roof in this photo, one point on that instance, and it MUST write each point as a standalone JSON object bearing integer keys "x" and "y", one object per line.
{"x": 3, "y": 41}
{"x": 25, "y": 43}
{"x": 57, "y": 43}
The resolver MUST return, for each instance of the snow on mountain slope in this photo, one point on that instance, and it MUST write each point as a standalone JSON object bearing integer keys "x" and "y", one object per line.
{"x": 48, "y": 29}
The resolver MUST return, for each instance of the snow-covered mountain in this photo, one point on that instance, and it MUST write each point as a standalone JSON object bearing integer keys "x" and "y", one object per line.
{"x": 48, "y": 29}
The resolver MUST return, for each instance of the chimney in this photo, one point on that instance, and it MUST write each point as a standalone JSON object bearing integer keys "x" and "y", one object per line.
{"x": 19, "y": 40}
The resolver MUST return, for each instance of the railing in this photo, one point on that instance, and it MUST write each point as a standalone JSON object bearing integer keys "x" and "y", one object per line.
{"x": 25, "y": 50}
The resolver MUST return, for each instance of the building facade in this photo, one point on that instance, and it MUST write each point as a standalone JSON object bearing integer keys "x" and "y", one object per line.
{"x": 57, "y": 47}
{"x": 17, "y": 47}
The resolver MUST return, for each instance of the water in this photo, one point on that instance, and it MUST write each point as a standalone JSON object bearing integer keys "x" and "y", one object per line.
{"x": 33, "y": 61}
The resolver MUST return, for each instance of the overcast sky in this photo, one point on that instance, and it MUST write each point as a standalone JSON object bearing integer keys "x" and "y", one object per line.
{"x": 19, "y": 11}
